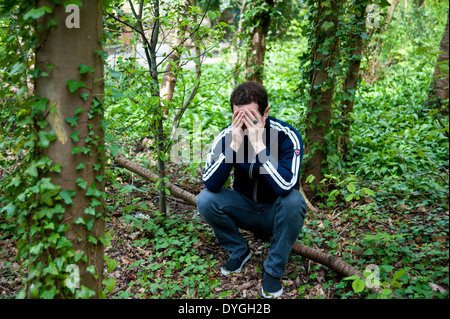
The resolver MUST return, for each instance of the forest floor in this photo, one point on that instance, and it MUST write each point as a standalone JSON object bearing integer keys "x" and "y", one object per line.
{"x": 178, "y": 257}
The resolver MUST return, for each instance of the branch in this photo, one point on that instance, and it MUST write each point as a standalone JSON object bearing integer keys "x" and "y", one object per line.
{"x": 124, "y": 162}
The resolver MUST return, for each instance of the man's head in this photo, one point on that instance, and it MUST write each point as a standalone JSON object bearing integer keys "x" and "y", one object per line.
{"x": 248, "y": 93}
{"x": 248, "y": 96}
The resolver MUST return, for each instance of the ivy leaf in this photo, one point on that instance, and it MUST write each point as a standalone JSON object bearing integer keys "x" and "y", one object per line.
{"x": 45, "y": 138}
{"x": 47, "y": 191}
{"x": 74, "y": 136}
{"x": 10, "y": 209}
{"x": 109, "y": 284}
{"x": 32, "y": 171}
{"x": 79, "y": 109}
{"x": 90, "y": 211}
{"x": 72, "y": 121}
{"x": 74, "y": 85}
{"x": 67, "y": 196}
{"x": 85, "y": 69}
{"x": 81, "y": 182}
{"x": 37, "y": 12}
{"x": 384, "y": 3}
{"x": 327, "y": 25}
{"x": 111, "y": 263}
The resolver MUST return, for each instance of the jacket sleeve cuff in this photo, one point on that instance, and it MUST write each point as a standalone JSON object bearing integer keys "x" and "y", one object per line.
{"x": 262, "y": 158}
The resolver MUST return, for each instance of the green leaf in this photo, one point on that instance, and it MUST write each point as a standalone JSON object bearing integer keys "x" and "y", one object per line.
{"x": 109, "y": 284}
{"x": 37, "y": 12}
{"x": 90, "y": 211}
{"x": 351, "y": 187}
{"x": 10, "y": 210}
{"x": 368, "y": 191}
{"x": 45, "y": 138}
{"x": 81, "y": 182}
{"x": 74, "y": 85}
{"x": 79, "y": 110}
{"x": 349, "y": 197}
{"x": 384, "y": 3}
{"x": 72, "y": 121}
{"x": 358, "y": 285}
{"x": 40, "y": 105}
{"x": 47, "y": 191}
{"x": 74, "y": 136}
{"x": 85, "y": 69}
{"x": 67, "y": 196}
{"x": 53, "y": 238}
{"x": 327, "y": 25}
{"x": 398, "y": 274}
{"x": 354, "y": 277}
{"x": 31, "y": 171}
{"x": 212, "y": 15}
{"x": 111, "y": 263}
{"x": 79, "y": 221}
{"x": 106, "y": 240}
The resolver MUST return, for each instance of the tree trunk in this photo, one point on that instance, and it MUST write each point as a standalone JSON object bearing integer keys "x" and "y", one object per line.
{"x": 254, "y": 64}
{"x": 67, "y": 49}
{"x": 356, "y": 43}
{"x": 175, "y": 37}
{"x": 441, "y": 79}
{"x": 323, "y": 55}
{"x": 390, "y": 13}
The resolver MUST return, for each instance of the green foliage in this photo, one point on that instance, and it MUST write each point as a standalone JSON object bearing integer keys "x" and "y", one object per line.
{"x": 174, "y": 269}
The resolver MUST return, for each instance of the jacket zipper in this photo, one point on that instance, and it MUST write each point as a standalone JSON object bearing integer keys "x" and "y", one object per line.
{"x": 250, "y": 174}
{"x": 255, "y": 191}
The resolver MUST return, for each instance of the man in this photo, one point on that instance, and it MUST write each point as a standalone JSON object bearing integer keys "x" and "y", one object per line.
{"x": 266, "y": 155}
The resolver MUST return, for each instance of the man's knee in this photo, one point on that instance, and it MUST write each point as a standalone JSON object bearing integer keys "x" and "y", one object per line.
{"x": 294, "y": 207}
{"x": 206, "y": 201}
{"x": 203, "y": 199}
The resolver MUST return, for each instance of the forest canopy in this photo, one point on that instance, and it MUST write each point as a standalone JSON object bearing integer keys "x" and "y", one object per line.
{"x": 108, "y": 109}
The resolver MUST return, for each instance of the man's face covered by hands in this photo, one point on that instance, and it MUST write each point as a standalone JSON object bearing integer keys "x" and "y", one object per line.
{"x": 249, "y": 114}
{"x": 248, "y": 121}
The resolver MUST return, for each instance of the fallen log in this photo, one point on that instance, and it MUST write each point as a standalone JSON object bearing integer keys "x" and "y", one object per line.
{"x": 176, "y": 191}
{"x": 332, "y": 262}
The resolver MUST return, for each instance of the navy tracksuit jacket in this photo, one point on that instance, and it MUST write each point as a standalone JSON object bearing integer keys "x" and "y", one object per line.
{"x": 261, "y": 177}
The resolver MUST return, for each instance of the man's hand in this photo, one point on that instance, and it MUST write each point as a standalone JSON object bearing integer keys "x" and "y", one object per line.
{"x": 255, "y": 126}
{"x": 237, "y": 130}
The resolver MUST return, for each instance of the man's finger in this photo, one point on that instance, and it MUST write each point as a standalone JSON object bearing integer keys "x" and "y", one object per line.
{"x": 256, "y": 114}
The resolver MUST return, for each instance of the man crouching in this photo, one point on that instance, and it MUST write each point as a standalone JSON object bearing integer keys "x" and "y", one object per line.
{"x": 266, "y": 155}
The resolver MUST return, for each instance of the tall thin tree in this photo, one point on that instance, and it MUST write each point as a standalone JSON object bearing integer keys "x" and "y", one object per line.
{"x": 324, "y": 51}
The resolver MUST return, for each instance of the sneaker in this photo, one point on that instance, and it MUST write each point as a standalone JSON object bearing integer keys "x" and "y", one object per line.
{"x": 235, "y": 265}
{"x": 271, "y": 286}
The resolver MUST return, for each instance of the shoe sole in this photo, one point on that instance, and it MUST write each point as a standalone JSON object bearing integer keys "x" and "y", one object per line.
{"x": 227, "y": 272}
{"x": 270, "y": 295}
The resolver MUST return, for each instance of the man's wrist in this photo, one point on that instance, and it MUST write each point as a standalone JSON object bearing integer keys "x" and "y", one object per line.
{"x": 234, "y": 147}
{"x": 259, "y": 148}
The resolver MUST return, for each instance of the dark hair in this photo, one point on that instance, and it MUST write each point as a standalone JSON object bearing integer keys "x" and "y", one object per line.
{"x": 249, "y": 92}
